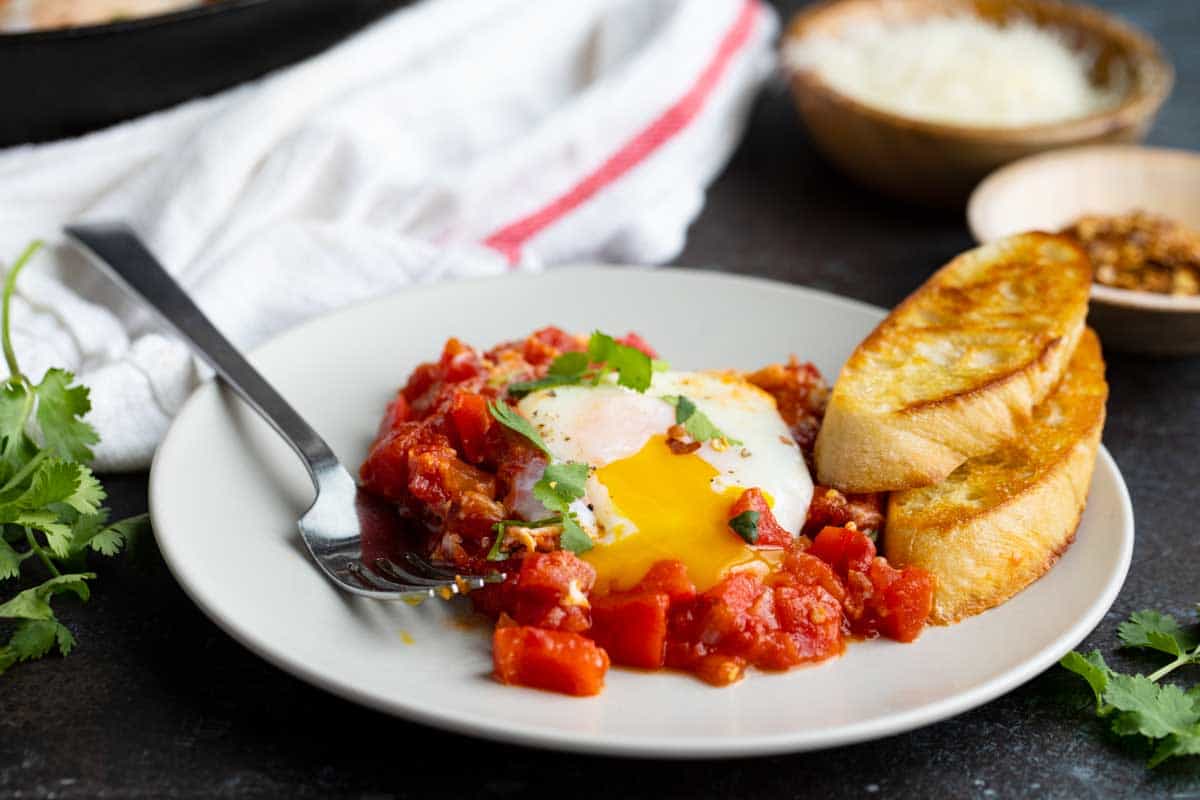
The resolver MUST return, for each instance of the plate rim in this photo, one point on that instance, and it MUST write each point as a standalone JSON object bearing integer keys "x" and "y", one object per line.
{"x": 599, "y": 744}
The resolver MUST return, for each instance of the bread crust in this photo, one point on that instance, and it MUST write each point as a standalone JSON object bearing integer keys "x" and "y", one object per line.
{"x": 1003, "y": 519}
{"x": 957, "y": 368}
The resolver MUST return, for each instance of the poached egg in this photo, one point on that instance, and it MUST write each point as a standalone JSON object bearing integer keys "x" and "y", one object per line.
{"x": 644, "y": 503}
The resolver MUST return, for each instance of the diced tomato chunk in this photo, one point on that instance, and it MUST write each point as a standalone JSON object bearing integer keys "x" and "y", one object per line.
{"x": 635, "y": 341}
{"x": 552, "y": 574}
{"x": 546, "y": 344}
{"x": 471, "y": 418}
{"x": 770, "y": 532}
{"x": 812, "y": 619}
{"x": 808, "y": 570}
{"x": 669, "y": 577}
{"x": 632, "y": 627}
{"x": 552, "y": 660}
{"x": 843, "y": 549}
{"x": 906, "y": 603}
{"x": 459, "y": 361}
{"x": 831, "y": 508}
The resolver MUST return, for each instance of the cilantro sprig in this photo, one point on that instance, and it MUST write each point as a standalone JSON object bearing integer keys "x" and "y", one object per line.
{"x": 1139, "y": 705}
{"x": 695, "y": 421}
{"x": 560, "y": 485}
{"x": 50, "y": 502}
{"x": 745, "y": 525}
{"x": 604, "y": 356}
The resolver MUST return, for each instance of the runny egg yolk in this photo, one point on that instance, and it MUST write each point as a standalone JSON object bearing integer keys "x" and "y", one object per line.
{"x": 678, "y": 515}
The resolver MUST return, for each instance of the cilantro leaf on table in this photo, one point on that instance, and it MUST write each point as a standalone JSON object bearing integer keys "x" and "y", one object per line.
{"x": 50, "y": 501}
{"x": 1156, "y": 631}
{"x": 114, "y": 538}
{"x": 35, "y": 603}
{"x": 1139, "y": 705}
{"x": 60, "y": 410}
{"x": 1091, "y": 668}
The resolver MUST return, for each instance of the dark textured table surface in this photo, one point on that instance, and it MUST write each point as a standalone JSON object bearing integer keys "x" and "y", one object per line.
{"x": 158, "y": 702}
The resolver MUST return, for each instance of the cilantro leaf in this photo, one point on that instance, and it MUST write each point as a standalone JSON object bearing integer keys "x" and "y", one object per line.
{"x": 66, "y": 641}
{"x": 1156, "y": 631}
{"x": 35, "y": 603}
{"x": 566, "y": 370}
{"x": 33, "y": 639}
{"x": 695, "y": 421}
{"x": 16, "y": 448}
{"x": 1148, "y": 708}
{"x": 634, "y": 368}
{"x": 507, "y": 416}
{"x": 1091, "y": 668}
{"x": 574, "y": 538}
{"x": 604, "y": 355}
{"x": 572, "y": 364}
{"x": 559, "y": 486}
{"x": 57, "y": 481}
{"x": 10, "y": 561}
{"x": 745, "y": 525}
{"x": 519, "y": 389}
{"x": 60, "y": 408}
{"x": 119, "y": 535}
{"x": 1186, "y": 743}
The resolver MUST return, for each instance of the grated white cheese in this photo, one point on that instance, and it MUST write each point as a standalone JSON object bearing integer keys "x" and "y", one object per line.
{"x": 960, "y": 70}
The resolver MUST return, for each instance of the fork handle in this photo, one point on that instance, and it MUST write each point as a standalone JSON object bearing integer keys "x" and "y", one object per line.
{"x": 118, "y": 251}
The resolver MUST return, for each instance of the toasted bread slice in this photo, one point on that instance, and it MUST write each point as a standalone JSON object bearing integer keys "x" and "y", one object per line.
{"x": 955, "y": 370}
{"x": 1002, "y": 519}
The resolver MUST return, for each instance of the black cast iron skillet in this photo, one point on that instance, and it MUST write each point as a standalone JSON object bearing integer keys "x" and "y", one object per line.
{"x": 65, "y": 82}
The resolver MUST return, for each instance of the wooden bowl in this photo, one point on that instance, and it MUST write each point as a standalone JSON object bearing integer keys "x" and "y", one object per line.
{"x": 937, "y": 163}
{"x": 1051, "y": 190}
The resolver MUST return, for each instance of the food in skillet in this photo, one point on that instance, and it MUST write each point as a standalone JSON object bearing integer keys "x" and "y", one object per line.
{"x": 645, "y": 517}
{"x": 653, "y": 519}
{"x": 33, "y": 15}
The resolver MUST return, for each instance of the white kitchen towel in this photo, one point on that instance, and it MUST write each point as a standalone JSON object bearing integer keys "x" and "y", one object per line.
{"x": 453, "y": 138}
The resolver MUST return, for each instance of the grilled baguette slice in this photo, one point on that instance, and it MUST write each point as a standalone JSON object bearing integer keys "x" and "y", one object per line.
{"x": 955, "y": 370}
{"x": 1002, "y": 519}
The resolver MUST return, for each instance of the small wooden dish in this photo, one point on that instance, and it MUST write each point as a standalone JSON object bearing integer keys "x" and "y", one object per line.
{"x": 1050, "y": 191}
{"x": 937, "y": 163}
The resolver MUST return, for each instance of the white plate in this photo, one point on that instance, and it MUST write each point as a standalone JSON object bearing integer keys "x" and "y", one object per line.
{"x": 225, "y": 494}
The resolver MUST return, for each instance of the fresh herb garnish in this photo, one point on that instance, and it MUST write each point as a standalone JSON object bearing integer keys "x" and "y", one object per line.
{"x": 634, "y": 368}
{"x": 604, "y": 356}
{"x": 507, "y": 416}
{"x": 1138, "y": 705}
{"x": 50, "y": 502}
{"x": 695, "y": 421}
{"x": 561, "y": 485}
{"x": 745, "y": 525}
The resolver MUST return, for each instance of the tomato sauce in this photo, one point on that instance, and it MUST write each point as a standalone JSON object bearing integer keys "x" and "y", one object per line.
{"x": 450, "y": 470}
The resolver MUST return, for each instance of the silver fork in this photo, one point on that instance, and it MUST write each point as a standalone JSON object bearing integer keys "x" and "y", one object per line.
{"x": 332, "y": 528}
